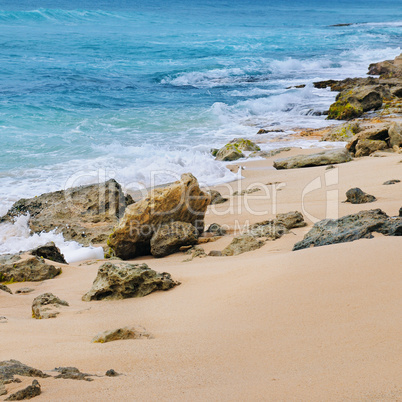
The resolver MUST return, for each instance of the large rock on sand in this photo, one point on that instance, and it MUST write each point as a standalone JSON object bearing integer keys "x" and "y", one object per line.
{"x": 123, "y": 280}
{"x": 182, "y": 201}
{"x": 85, "y": 214}
{"x": 330, "y": 157}
{"x": 350, "y": 228}
{"x": 234, "y": 149}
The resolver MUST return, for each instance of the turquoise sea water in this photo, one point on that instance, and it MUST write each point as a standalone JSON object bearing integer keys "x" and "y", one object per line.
{"x": 120, "y": 89}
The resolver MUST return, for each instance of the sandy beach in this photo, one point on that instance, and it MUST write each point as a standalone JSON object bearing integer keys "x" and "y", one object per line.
{"x": 273, "y": 324}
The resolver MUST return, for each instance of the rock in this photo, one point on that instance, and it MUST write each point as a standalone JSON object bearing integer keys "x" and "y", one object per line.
{"x": 10, "y": 368}
{"x": 248, "y": 191}
{"x": 367, "y": 147}
{"x": 395, "y": 135}
{"x": 121, "y": 334}
{"x": 387, "y": 68}
{"x": 229, "y": 153}
{"x": 290, "y": 220}
{"x": 47, "y": 306}
{"x": 195, "y": 252}
{"x": 123, "y": 280}
{"x": 268, "y": 154}
{"x": 170, "y": 237}
{"x": 271, "y": 130}
{"x": 243, "y": 144}
{"x": 216, "y": 197}
{"x": 242, "y": 244}
{"x": 357, "y": 196}
{"x": 216, "y": 229}
{"x": 16, "y": 268}
{"x": 400, "y": 212}
{"x": 329, "y": 167}
{"x": 388, "y": 182}
{"x": 5, "y": 288}
{"x": 27, "y": 393}
{"x": 182, "y": 201}
{"x": 342, "y": 132}
{"x": 214, "y": 151}
{"x": 350, "y": 228}
{"x": 23, "y": 291}
{"x": 72, "y": 373}
{"x": 215, "y": 253}
{"x": 3, "y": 390}
{"x": 50, "y": 252}
{"x": 85, "y": 214}
{"x": 397, "y": 91}
{"x": 111, "y": 373}
{"x": 378, "y": 132}
{"x": 322, "y": 158}
{"x": 3, "y": 320}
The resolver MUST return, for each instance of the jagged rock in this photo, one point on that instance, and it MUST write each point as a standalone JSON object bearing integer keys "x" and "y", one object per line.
{"x": 182, "y": 201}
{"x": 170, "y": 237}
{"x": 395, "y": 135}
{"x": 378, "y": 132}
{"x": 216, "y": 197}
{"x": 49, "y": 251}
{"x": 387, "y": 68}
{"x": 388, "y": 182}
{"x": 195, "y": 252}
{"x": 47, "y": 306}
{"x": 268, "y": 154}
{"x": 342, "y": 132}
{"x": 72, "y": 373}
{"x": 367, "y": 147}
{"x": 111, "y": 373}
{"x": 123, "y": 280}
{"x": 216, "y": 229}
{"x": 16, "y": 268}
{"x": 85, "y": 214}
{"x": 357, "y": 196}
{"x": 229, "y": 153}
{"x": 242, "y": 244}
{"x": 322, "y": 158}
{"x": 10, "y": 368}
{"x": 5, "y": 288}
{"x": 290, "y": 220}
{"x": 27, "y": 393}
{"x": 350, "y": 228}
{"x": 400, "y": 212}
{"x": 121, "y": 334}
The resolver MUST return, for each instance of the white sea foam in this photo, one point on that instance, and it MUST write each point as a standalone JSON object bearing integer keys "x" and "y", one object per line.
{"x": 16, "y": 237}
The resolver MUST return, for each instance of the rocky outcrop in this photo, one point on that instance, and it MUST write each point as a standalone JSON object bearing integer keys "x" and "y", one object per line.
{"x": 123, "y": 280}
{"x": 72, "y": 373}
{"x": 321, "y": 158}
{"x": 122, "y": 334}
{"x": 182, "y": 201}
{"x": 5, "y": 288}
{"x": 85, "y": 214}
{"x": 10, "y": 368}
{"x": 343, "y": 132}
{"x": 46, "y": 306}
{"x": 367, "y": 147}
{"x": 358, "y": 196}
{"x": 387, "y": 68}
{"x": 350, "y": 228}
{"x": 395, "y": 135}
{"x": 49, "y": 251}
{"x": 235, "y": 148}
{"x": 170, "y": 237}
{"x": 369, "y": 140}
{"x": 21, "y": 268}
{"x": 27, "y": 393}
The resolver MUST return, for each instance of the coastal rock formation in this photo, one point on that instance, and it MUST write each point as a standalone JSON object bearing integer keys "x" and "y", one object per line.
{"x": 46, "y": 306}
{"x": 121, "y": 334}
{"x": 123, "y": 280}
{"x": 50, "y": 252}
{"x": 10, "y": 368}
{"x": 233, "y": 150}
{"x": 5, "y": 288}
{"x": 351, "y": 227}
{"x": 321, "y": 158}
{"x": 369, "y": 140}
{"x": 21, "y": 268}
{"x": 387, "y": 68}
{"x": 358, "y": 196}
{"x": 367, "y": 147}
{"x": 170, "y": 237}
{"x": 72, "y": 373}
{"x": 343, "y": 132}
{"x": 182, "y": 201}
{"x": 85, "y": 214}
{"x": 27, "y": 393}
{"x": 243, "y": 144}
{"x": 395, "y": 135}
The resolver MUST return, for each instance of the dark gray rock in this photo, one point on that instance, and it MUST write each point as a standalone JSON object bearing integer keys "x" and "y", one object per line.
{"x": 216, "y": 229}
{"x": 27, "y": 393}
{"x": 389, "y": 182}
{"x": 112, "y": 373}
{"x": 10, "y": 368}
{"x": 49, "y": 251}
{"x": 358, "y": 196}
{"x": 5, "y": 288}
{"x": 72, "y": 373}
{"x": 46, "y": 306}
{"x": 350, "y": 228}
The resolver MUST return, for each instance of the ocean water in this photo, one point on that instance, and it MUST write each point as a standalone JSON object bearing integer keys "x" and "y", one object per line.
{"x": 140, "y": 91}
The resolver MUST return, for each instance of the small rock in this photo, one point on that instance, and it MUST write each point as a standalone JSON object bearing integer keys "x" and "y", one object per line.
{"x": 195, "y": 252}
{"x": 388, "y": 182}
{"x": 268, "y": 154}
{"x": 5, "y": 288}
{"x": 49, "y": 251}
{"x": 10, "y": 368}
{"x": 121, "y": 334}
{"x": 3, "y": 320}
{"x": 342, "y": 132}
{"x": 112, "y": 373}
{"x": 24, "y": 290}
{"x": 330, "y": 167}
{"x": 216, "y": 197}
{"x": 216, "y": 229}
{"x": 46, "y": 306}
{"x": 27, "y": 393}
{"x": 214, "y": 151}
{"x": 249, "y": 191}
{"x": 3, "y": 390}
{"x": 357, "y": 196}
{"x": 242, "y": 244}
{"x": 215, "y": 253}
{"x": 229, "y": 153}
{"x": 395, "y": 135}
{"x": 72, "y": 373}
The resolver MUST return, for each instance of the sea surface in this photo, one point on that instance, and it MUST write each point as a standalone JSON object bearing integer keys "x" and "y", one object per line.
{"x": 141, "y": 90}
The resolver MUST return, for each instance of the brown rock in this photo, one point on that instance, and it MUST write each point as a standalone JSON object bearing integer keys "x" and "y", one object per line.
{"x": 242, "y": 244}
{"x": 49, "y": 251}
{"x": 216, "y": 197}
{"x": 27, "y": 393}
{"x": 121, "y": 334}
{"x": 357, "y": 196}
{"x": 5, "y": 288}
{"x": 229, "y": 153}
{"x": 377, "y": 132}
{"x": 395, "y": 135}
{"x": 367, "y": 147}
{"x": 46, "y": 306}
{"x": 72, "y": 373}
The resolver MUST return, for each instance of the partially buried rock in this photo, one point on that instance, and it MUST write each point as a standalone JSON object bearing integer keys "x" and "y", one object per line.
{"x": 389, "y": 182}
{"x": 27, "y": 393}
{"x": 49, "y": 251}
{"x": 358, "y": 196}
{"x": 5, "y": 288}
{"x": 123, "y": 280}
{"x": 216, "y": 197}
{"x": 322, "y": 158}
{"x": 72, "y": 373}
{"x": 24, "y": 291}
{"x": 122, "y": 334}
{"x": 242, "y": 244}
{"x": 46, "y": 306}
{"x": 20, "y": 268}
{"x": 170, "y": 237}
{"x": 112, "y": 373}
{"x": 350, "y": 228}
{"x": 10, "y": 368}
{"x": 216, "y": 229}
